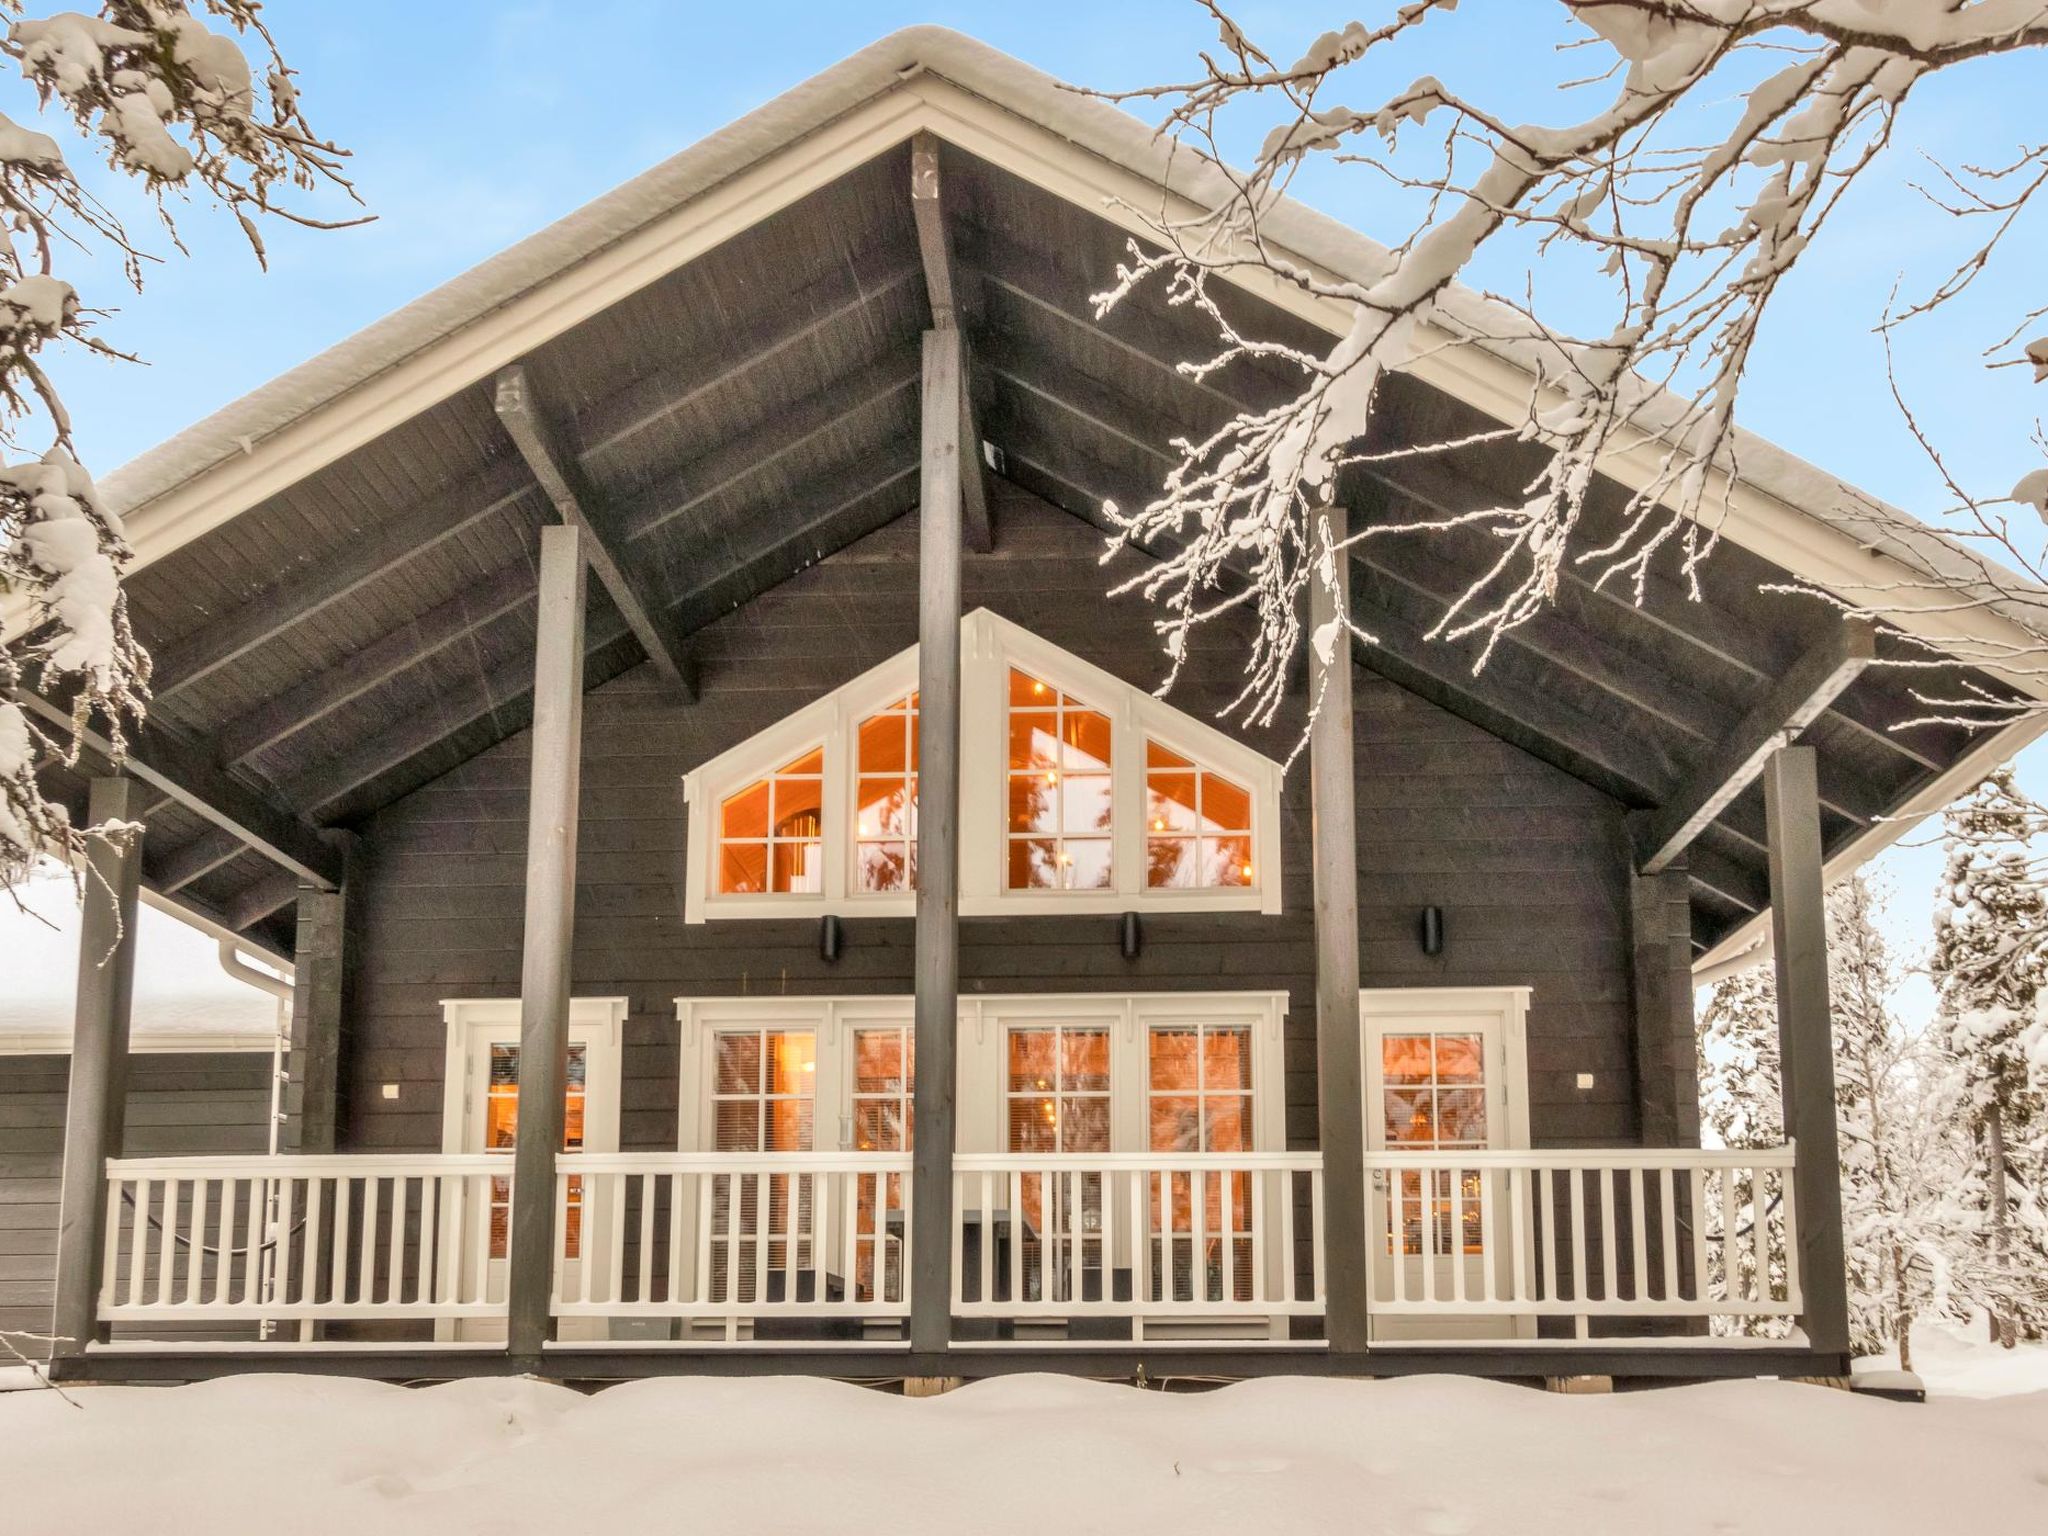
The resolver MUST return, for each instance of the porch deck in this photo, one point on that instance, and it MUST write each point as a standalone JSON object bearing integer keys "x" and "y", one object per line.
{"x": 1629, "y": 1253}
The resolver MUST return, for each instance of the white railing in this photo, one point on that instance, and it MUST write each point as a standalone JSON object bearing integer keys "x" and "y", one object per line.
{"x": 1634, "y": 1233}
{"x": 733, "y": 1238}
{"x": 1153, "y": 1237}
{"x": 268, "y": 1238}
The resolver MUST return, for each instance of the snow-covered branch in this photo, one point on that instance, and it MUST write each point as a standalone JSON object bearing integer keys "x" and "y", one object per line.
{"x": 165, "y": 90}
{"x": 1726, "y": 135}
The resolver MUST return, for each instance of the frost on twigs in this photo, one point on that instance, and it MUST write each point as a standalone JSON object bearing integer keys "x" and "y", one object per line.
{"x": 1722, "y": 136}
{"x": 164, "y": 90}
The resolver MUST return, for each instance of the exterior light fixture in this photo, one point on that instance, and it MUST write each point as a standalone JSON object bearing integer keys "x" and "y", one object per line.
{"x": 1432, "y": 930}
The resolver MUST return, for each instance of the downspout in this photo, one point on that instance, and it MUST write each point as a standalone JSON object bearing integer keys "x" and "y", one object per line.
{"x": 281, "y": 991}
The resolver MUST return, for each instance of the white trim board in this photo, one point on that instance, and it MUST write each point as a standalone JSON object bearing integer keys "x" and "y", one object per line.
{"x": 990, "y": 644}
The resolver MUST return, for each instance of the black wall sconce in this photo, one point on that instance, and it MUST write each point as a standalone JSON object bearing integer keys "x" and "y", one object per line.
{"x": 1432, "y": 930}
{"x": 828, "y": 938}
{"x": 1130, "y": 937}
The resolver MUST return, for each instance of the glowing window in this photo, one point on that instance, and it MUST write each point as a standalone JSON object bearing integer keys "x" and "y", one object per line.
{"x": 501, "y": 1134}
{"x": 1058, "y": 1089}
{"x": 771, "y": 834}
{"x": 1199, "y": 1099}
{"x": 885, "y": 800}
{"x": 1060, "y": 799}
{"x": 1198, "y": 825}
{"x": 1433, "y": 1096}
{"x": 764, "y": 1084}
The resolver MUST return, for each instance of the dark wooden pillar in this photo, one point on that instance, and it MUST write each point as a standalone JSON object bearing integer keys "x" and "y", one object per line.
{"x": 322, "y": 973}
{"x": 1806, "y": 1040}
{"x": 937, "y": 960}
{"x": 544, "y": 978}
{"x": 1340, "y": 1106}
{"x": 95, "y": 1110}
{"x": 1666, "y": 1052}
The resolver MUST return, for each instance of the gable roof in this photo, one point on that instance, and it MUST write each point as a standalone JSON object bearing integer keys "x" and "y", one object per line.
{"x": 738, "y": 480}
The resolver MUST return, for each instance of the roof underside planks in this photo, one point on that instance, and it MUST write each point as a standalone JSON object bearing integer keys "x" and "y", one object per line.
{"x": 754, "y": 410}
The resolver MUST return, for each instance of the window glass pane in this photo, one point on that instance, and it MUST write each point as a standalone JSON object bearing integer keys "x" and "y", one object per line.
{"x": 1034, "y": 740}
{"x": 1170, "y": 802}
{"x": 1409, "y": 1117}
{"x": 1172, "y": 863}
{"x": 882, "y": 867}
{"x": 1031, "y": 1058}
{"x": 1084, "y": 1124}
{"x": 1034, "y": 802}
{"x": 1225, "y": 1125}
{"x": 1087, "y": 864}
{"x": 746, "y": 814}
{"x": 1405, "y": 1058}
{"x": 1225, "y": 806}
{"x": 812, "y": 762}
{"x": 1157, "y": 756}
{"x": 1228, "y": 860}
{"x": 736, "y": 1125}
{"x": 1227, "y": 1060}
{"x": 797, "y": 807}
{"x": 1084, "y": 803}
{"x": 792, "y": 1062}
{"x": 1034, "y": 865}
{"x": 799, "y": 867}
{"x": 1084, "y": 1060}
{"x": 1084, "y": 735}
{"x": 1176, "y": 1060}
{"x": 1461, "y": 1116}
{"x": 1176, "y": 1123}
{"x": 737, "y": 1062}
{"x": 883, "y": 743}
{"x": 743, "y": 868}
{"x": 1459, "y": 1058}
{"x": 1028, "y": 692}
{"x": 882, "y": 808}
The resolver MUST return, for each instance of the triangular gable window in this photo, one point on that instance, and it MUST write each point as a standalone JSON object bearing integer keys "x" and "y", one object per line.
{"x": 1079, "y": 793}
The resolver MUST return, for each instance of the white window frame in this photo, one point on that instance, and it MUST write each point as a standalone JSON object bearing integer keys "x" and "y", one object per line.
{"x": 982, "y": 1059}
{"x": 1498, "y": 1014}
{"x": 990, "y": 646}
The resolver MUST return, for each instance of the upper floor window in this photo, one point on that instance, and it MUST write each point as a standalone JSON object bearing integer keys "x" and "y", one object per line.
{"x": 1061, "y": 797}
{"x": 1078, "y": 793}
{"x": 885, "y": 799}
{"x": 771, "y": 833}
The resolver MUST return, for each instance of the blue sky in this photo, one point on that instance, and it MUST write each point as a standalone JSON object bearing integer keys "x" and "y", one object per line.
{"x": 476, "y": 123}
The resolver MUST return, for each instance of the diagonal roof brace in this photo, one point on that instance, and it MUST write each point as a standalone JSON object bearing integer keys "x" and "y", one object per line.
{"x": 1788, "y": 707}
{"x": 576, "y": 502}
{"x": 941, "y": 283}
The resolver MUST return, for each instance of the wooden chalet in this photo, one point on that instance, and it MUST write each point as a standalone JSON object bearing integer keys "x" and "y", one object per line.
{"x": 658, "y": 695}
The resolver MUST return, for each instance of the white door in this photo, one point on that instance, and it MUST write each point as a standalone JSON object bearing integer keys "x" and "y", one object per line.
{"x": 1442, "y": 1074}
{"x": 483, "y": 1100}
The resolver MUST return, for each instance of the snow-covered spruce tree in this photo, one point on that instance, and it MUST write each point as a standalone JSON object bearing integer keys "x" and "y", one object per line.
{"x": 165, "y": 91}
{"x": 1990, "y": 962}
{"x": 1902, "y": 1149}
{"x": 1701, "y": 151}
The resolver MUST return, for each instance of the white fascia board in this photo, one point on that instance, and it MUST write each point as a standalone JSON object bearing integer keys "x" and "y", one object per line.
{"x": 1984, "y": 754}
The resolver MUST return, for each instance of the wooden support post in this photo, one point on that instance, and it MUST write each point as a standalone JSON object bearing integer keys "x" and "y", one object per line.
{"x": 1806, "y": 1041}
{"x": 95, "y": 1109}
{"x": 322, "y": 981}
{"x": 937, "y": 958}
{"x": 1340, "y": 1106}
{"x": 1666, "y": 1053}
{"x": 544, "y": 977}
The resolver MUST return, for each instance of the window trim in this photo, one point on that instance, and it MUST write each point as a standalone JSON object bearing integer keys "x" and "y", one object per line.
{"x": 1503, "y": 1012}
{"x": 990, "y": 645}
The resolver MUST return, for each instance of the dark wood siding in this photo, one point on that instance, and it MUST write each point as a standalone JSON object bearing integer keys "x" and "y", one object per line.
{"x": 1526, "y": 862}
{"x": 179, "y": 1105}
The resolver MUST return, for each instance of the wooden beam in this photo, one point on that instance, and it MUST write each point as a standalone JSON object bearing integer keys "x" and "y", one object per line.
{"x": 197, "y": 859}
{"x": 331, "y": 577}
{"x": 263, "y": 897}
{"x": 1739, "y": 884}
{"x": 941, "y": 282}
{"x": 285, "y": 714}
{"x": 1340, "y": 1092}
{"x": 577, "y": 503}
{"x": 325, "y": 953}
{"x": 1786, "y": 709}
{"x": 936, "y": 958}
{"x": 96, "y": 1098}
{"x": 1799, "y": 940}
{"x": 186, "y": 773}
{"x": 545, "y": 974}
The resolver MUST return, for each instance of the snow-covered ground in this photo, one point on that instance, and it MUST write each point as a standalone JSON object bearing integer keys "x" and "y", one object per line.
{"x": 1041, "y": 1454}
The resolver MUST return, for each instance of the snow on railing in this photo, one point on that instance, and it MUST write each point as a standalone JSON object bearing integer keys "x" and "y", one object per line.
{"x": 1629, "y": 1233}
{"x": 724, "y": 1238}
{"x": 272, "y": 1239}
{"x": 1154, "y": 1237}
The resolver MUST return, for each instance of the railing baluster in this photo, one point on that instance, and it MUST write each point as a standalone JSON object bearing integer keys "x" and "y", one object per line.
{"x": 167, "y": 1244}
{"x": 309, "y": 1250}
{"x": 1731, "y": 1265}
{"x": 195, "y": 1256}
{"x": 1667, "y": 1232}
{"x": 1610, "y": 1241}
{"x": 138, "y": 1252}
{"x": 1639, "y": 1244}
{"x": 1489, "y": 1248}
